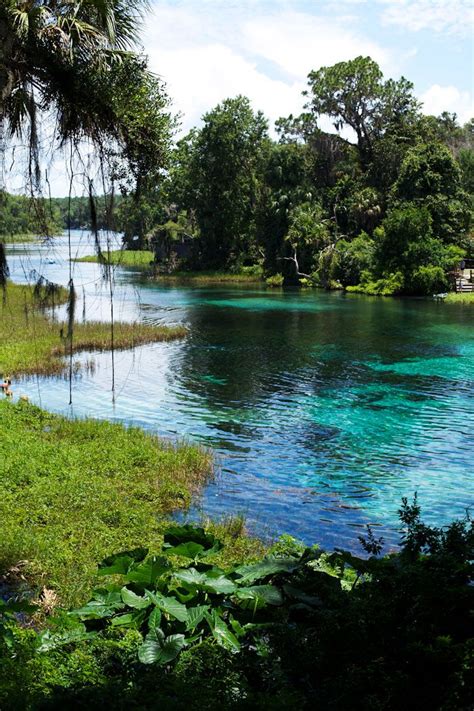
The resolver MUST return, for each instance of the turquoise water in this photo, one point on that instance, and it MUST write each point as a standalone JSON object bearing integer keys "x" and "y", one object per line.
{"x": 323, "y": 409}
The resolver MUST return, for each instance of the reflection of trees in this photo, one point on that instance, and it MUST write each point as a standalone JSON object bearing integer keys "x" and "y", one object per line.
{"x": 243, "y": 356}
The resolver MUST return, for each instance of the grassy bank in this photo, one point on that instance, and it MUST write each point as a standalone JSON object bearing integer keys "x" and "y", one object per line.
{"x": 20, "y": 238}
{"x": 72, "y": 491}
{"x": 460, "y": 298}
{"x": 123, "y": 257}
{"x": 31, "y": 341}
{"x": 213, "y": 277}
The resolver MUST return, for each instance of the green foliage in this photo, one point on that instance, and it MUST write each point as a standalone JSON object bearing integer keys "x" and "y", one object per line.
{"x": 353, "y": 259}
{"x": 430, "y": 179}
{"x": 299, "y": 628}
{"x": 219, "y": 179}
{"x": 276, "y": 280}
{"x": 354, "y": 94}
{"x": 71, "y": 490}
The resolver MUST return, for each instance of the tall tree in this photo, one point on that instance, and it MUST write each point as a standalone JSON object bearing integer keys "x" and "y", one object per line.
{"x": 222, "y": 176}
{"x": 354, "y": 94}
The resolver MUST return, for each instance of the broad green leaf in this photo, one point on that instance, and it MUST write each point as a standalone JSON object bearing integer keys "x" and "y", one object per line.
{"x": 131, "y": 619}
{"x": 301, "y": 596}
{"x": 261, "y": 594}
{"x": 104, "y": 603}
{"x": 154, "y": 652}
{"x": 187, "y": 550}
{"x": 169, "y": 605}
{"x": 120, "y": 566}
{"x": 222, "y": 633}
{"x": 148, "y": 572}
{"x": 175, "y": 535}
{"x": 264, "y": 568}
{"x": 133, "y": 600}
{"x": 195, "y": 616}
{"x": 120, "y": 562}
{"x": 154, "y": 619}
{"x": 210, "y": 581}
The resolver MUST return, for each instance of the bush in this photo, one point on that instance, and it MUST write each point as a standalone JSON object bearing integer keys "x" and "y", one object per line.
{"x": 429, "y": 280}
{"x": 300, "y": 628}
{"x": 275, "y": 280}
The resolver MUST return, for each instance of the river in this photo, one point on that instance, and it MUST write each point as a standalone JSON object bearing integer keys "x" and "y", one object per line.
{"x": 323, "y": 409}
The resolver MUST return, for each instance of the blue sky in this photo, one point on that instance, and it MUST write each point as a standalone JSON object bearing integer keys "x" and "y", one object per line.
{"x": 207, "y": 50}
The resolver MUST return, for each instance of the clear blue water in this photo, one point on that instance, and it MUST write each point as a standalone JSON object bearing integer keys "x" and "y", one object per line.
{"x": 323, "y": 409}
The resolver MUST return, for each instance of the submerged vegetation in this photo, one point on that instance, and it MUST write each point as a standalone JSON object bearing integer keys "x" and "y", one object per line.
{"x": 299, "y": 628}
{"x": 33, "y": 342}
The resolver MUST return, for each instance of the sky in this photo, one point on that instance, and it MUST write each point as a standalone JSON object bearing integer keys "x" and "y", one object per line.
{"x": 209, "y": 50}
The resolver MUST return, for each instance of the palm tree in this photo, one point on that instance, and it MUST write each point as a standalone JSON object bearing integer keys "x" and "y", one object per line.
{"x": 48, "y": 51}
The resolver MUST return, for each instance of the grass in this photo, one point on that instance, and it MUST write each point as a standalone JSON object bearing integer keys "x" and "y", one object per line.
{"x": 251, "y": 276}
{"x": 31, "y": 341}
{"x": 460, "y": 298}
{"x": 74, "y": 491}
{"x": 123, "y": 257}
{"x": 20, "y": 238}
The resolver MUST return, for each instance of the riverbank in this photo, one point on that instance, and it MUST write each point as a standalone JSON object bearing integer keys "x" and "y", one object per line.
{"x": 73, "y": 491}
{"x": 460, "y": 298}
{"x": 122, "y": 257}
{"x": 32, "y": 342}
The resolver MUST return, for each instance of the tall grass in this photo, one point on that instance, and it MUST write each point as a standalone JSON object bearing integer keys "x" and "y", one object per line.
{"x": 460, "y": 298}
{"x": 31, "y": 342}
{"x": 123, "y": 257}
{"x": 73, "y": 491}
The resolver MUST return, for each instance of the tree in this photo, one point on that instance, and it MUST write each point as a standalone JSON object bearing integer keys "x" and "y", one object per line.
{"x": 431, "y": 178}
{"x": 74, "y": 60}
{"x": 354, "y": 94}
{"x": 220, "y": 179}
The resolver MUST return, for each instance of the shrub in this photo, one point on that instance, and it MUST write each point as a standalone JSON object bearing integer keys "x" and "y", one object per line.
{"x": 275, "y": 280}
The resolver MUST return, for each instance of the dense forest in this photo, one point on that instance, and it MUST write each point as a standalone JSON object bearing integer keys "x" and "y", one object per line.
{"x": 382, "y": 206}
{"x": 387, "y": 210}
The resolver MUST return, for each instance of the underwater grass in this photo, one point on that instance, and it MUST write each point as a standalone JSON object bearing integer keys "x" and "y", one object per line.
{"x": 123, "y": 257}
{"x": 73, "y": 491}
{"x": 31, "y": 342}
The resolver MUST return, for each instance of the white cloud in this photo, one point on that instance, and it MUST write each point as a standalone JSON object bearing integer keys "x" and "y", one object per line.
{"x": 207, "y": 54}
{"x": 438, "y": 98}
{"x": 449, "y": 16}
{"x": 299, "y": 42}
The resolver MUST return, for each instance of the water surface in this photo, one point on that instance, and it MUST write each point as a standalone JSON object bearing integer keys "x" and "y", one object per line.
{"x": 323, "y": 409}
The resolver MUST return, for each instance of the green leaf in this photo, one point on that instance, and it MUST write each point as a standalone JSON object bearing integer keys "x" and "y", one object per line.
{"x": 265, "y": 568}
{"x": 148, "y": 572}
{"x": 211, "y": 581}
{"x": 119, "y": 563}
{"x": 104, "y": 603}
{"x": 152, "y": 651}
{"x": 133, "y": 600}
{"x": 195, "y": 616}
{"x": 222, "y": 633}
{"x": 169, "y": 605}
{"x": 154, "y": 619}
{"x": 260, "y": 594}
{"x": 133, "y": 619}
{"x": 175, "y": 535}
{"x": 187, "y": 550}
